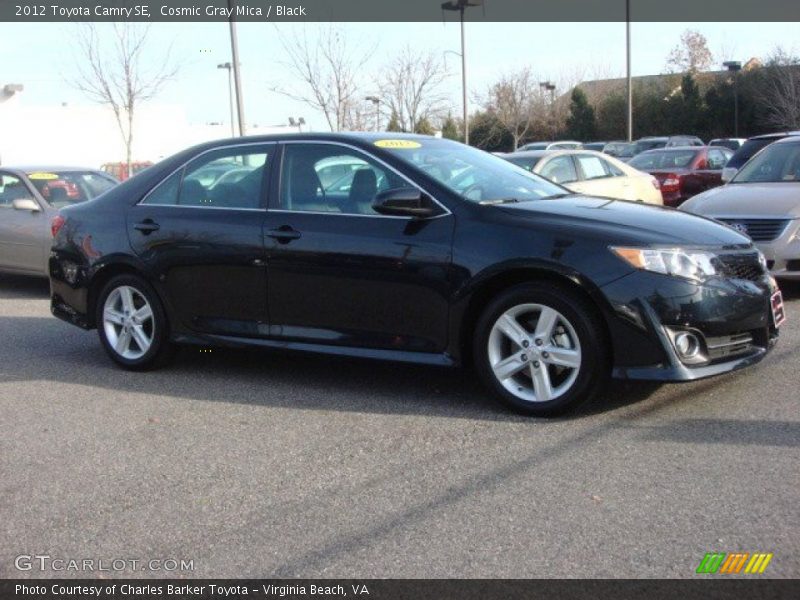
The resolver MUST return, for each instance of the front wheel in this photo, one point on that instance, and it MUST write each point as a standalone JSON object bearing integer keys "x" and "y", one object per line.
{"x": 541, "y": 349}
{"x": 132, "y": 324}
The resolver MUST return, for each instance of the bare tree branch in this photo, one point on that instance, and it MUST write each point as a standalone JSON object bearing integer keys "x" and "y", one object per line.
{"x": 114, "y": 76}
{"x": 411, "y": 87}
{"x": 328, "y": 69}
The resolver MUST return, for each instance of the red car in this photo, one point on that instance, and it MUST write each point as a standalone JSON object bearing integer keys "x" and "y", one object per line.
{"x": 683, "y": 172}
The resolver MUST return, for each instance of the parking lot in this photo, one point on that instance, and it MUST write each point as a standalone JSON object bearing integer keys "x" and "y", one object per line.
{"x": 256, "y": 464}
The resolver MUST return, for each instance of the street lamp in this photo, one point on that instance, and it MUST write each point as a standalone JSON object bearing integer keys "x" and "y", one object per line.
{"x": 297, "y": 123}
{"x": 377, "y": 102}
{"x": 734, "y": 66}
{"x": 460, "y": 6}
{"x": 629, "y": 83}
{"x": 551, "y": 87}
{"x": 229, "y": 67}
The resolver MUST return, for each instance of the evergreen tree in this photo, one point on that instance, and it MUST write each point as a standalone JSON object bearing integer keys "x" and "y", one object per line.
{"x": 424, "y": 127}
{"x": 394, "y": 123}
{"x": 581, "y": 123}
{"x": 450, "y": 129}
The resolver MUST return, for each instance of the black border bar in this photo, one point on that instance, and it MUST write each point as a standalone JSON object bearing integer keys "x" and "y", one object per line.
{"x": 700, "y": 588}
{"x": 401, "y": 11}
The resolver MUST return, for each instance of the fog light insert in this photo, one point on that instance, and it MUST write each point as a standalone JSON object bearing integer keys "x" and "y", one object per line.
{"x": 687, "y": 345}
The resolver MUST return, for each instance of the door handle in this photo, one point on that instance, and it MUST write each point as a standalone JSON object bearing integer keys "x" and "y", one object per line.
{"x": 284, "y": 234}
{"x": 147, "y": 226}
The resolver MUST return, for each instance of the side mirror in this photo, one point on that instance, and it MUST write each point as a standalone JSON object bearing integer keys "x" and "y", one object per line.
{"x": 403, "y": 202}
{"x": 28, "y": 204}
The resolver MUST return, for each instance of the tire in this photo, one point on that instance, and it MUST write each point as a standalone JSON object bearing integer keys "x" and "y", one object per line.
{"x": 543, "y": 375}
{"x": 147, "y": 345}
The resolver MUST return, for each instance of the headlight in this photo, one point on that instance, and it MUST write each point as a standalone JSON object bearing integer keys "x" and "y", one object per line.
{"x": 696, "y": 265}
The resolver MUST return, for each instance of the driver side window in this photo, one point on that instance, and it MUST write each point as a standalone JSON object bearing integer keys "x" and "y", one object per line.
{"x": 12, "y": 188}
{"x": 560, "y": 169}
{"x": 332, "y": 178}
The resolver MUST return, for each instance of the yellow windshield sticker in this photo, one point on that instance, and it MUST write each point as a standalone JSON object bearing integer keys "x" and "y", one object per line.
{"x": 397, "y": 144}
{"x": 46, "y": 176}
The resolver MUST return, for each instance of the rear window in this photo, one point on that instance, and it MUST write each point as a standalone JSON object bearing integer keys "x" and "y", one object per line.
{"x": 644, "y": 145}
{"x": 526, "y": 162}
{"x": 673, "y": 159}
{"x": 62, "y": 188}
{"x": 748, "y": 150}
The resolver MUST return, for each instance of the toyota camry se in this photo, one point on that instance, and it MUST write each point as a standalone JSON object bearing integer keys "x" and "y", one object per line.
{"x": 409, "y": 248}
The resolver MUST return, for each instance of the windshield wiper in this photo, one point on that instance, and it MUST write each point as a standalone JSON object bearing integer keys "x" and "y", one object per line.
{"x": 557, "y": 196}
{"x": 500, "y": 201}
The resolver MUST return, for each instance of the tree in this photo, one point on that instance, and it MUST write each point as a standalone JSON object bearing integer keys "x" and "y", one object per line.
{"x": 612, "y": 114}
{"x": 394, "y": 123}
{"x": 327, "y": 70}
{"x": 780, "y": 93}
{"x": 581, "y": 122}
{"x": 424, "y": 127}
{"x": 412, "y": 86}
{"x": 691, "y": 54}
{"x": 488, "y": 133}
{"x": 112, "y": 74}
{"x": 515, "y": 100}
{"x": 451, "y": 129}
{"x": 685, "y": 108}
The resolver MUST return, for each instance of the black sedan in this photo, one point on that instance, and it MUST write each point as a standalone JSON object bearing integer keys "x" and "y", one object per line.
{"x": 410, "y": 248}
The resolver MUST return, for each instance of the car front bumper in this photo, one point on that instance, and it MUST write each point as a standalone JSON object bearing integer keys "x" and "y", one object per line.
{"x": 783, "y": 253}
{"x": 731, "y": 319}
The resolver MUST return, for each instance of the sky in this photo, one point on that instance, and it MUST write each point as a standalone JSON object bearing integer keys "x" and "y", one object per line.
{"x": 42, "y": 57}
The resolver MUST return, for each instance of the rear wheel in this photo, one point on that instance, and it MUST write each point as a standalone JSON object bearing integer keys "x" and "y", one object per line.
{"x": 541, "y": 349}
{"x": 132, "y": 325}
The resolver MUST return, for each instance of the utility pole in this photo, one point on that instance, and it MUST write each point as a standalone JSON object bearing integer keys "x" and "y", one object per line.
{"x": 236, "y": 75}
{"x": 629, "y": 120}
{"x": 229, "y": 67}
{"x": 551, "y": 87}
{"x": 377, "y": 102}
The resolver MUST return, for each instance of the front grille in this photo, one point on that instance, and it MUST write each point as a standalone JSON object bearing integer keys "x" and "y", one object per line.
{"x": 759, "y": 230}
{"x": 727, "y": 346}
{"x": 742, "y": 266}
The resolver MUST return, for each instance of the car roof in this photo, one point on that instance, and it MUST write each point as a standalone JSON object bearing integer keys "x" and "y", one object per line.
{"x": 675, "y": 149}
{"x": 47, "y": 168}
{"x": 791, "y": 139}
{"x": 767, "y": 136}
{"x": 531, "y": 153}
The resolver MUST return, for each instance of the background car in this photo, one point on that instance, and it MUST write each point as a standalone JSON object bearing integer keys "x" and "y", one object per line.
{"x": 763, "y": 201}
{"x": 596, "y": 146}
{"x": 732, "y": 143}
{"x": 683, "y": 172}
{"x": 653, "y": 142}
{"x": 562, "y": 145}
{"x": 119, "y": 170}
{"x": 588, "y": 172}
{"x": 623, "y": 151}
{"x": 29, "y": 198}
{"x": 749, "y": 149}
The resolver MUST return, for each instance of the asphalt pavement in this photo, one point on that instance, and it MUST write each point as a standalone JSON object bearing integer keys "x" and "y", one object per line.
{"x": 262, "y": 464}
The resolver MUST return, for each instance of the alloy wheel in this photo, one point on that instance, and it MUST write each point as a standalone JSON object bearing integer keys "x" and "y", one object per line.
{"x": 128, "y": 322}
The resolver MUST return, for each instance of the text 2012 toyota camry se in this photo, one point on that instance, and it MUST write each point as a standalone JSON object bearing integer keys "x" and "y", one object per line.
{"x": 410, "y": 248}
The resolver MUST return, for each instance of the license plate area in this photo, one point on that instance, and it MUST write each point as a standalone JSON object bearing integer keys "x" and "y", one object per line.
{"x": 778, "y": 311}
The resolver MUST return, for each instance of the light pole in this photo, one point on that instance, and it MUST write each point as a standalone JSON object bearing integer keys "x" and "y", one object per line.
{"x": 377, "y": 102}
{"x": 551, "y": 87}
{"x": 629, "y": 119}
{"x": 237, "y": 80}
{"x": 229, "y": 67}
{"x": 734, "y": 66}
{"x": 460, "y": 6}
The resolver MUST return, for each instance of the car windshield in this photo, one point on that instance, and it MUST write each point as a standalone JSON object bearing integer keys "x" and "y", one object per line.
{"x": 473, "y": 174}
{"x": 748, "y": 150}
{"x": 776, "y": 163}
{"x": 667, "y": 159}
{"x": 644, "y": 145}
{"x": 526, "y": 162}
{"x": 62, "y": 188}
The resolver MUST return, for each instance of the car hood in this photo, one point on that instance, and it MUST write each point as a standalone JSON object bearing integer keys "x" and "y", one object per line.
{"x": 619, "y": 221}
{"x": 748, "y": 199}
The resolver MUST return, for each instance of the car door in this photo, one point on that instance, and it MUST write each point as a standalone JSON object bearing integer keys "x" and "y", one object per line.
{"x": 342, "y": 274}
{"x": 23, "y": 232}
{"x": 595, "y": 177}
{"x": 201, "y": 238}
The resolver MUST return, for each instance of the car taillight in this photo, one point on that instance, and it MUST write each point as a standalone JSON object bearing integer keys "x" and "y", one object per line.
{"x": 671, "y": 183}
{"x": 56, "y": 224}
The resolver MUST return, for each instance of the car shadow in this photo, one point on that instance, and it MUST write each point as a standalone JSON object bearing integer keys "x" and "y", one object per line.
{"x": 271, "y": 378}
{"x": 23, "y": 286}
{"x": 790, "y": 289}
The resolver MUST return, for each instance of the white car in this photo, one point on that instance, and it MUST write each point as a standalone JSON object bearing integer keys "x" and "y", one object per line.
{"x": 561, "y": 145}
{"x": 592, "y": 173}
{"x": 763, "y": 201}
